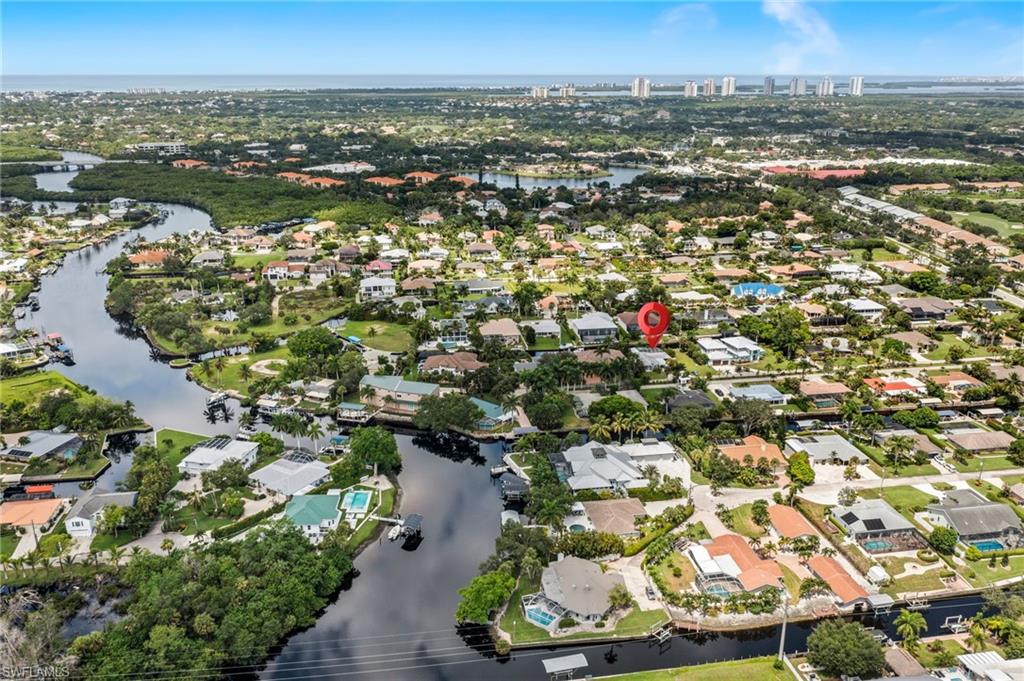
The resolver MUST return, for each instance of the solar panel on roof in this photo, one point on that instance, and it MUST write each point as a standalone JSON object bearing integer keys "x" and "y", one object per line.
{"x": 849, "y": 518}
{"x": 874, "y": 524}
{"x": 216, "y": 443}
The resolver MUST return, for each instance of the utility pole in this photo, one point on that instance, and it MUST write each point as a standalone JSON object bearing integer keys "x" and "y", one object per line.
{"x": 785, "y": 618}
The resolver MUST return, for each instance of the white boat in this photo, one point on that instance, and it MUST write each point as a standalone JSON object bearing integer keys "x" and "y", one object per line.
{"x": 216, "y": 398}
{"x": 395, "y": 532}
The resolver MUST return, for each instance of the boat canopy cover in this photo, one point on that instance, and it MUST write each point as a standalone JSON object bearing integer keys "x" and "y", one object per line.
{"x": 567, "y": 663}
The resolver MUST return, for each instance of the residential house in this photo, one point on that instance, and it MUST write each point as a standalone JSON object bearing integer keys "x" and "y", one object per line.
{"x": 823, "y": 394}
{"x": 758, "y": 290}
{"x": 395, "y": 394}
{"x": 976, "y": 519}
{"x": 44, "y": 444}
{"x": 452, "y": 332}
{"x": 615, "y": 516}
{"x": 315, "y": 514}
{"x": 376, "y": 288}
{"x": 494, "y": 415}
{"x": 727, "y": 563}
{"x": 926, "y": 308}
{"x": 845, "y": 589}
{"x": 873, "y": 519}
{"x": 211, "y": 454}
{"x": 594, "y": 327}
{"x": 789, "y": 522}
{"x": 503, "y": 330}
{"x": 572, "y": 588}
{"x": 456, "y": 363}
{"x": 868, "y": 309}
{"x": 596, "y": 466}
{"x": 764, "y": 392}
{"x": 978, "y": 441}
{"x": 825, "y": 449}
{"x": 729, "y": 350}
{"x": 756, "y": 448}
{"x": 86, "y": 515}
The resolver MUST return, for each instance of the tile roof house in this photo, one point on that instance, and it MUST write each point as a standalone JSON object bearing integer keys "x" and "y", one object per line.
{"x": 846, "y": 590}
{"x": 825, "y": 448}
{"x": 728, "y": 561}
{"x": 594, "y": 327}
{"x": 823, "y": 393}
{"x": 755, "y": 447}
{"x": 457, "y": 363}
{"x": 981, "y": 440}
{"x": 789, "y": 522}
{"x": 30, "y": 512}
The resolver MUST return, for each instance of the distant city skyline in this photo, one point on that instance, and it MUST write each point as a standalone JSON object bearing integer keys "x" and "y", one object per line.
{"x": 778, "y": 37}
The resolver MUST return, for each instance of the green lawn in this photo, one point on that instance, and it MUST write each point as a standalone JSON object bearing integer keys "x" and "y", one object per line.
{"x": 666, "y": 571}
{"x": 249, "y": 260}
{"x": 387, "y": 504}
{"x": 792, "y": 582}
{"x": 386, "y": 336}
{"x": 28, "y": 388}
{"x": 878, "y": 456}
{"x": 7, "y": 467}
{"x": 8, "y": 542}
{"x": 743, "y": 522}
{"x": 105, "y": 542}
{"x": 546, "y": 344}
{"x": 514, "y": 621}
{"x": 655, "y": 395}
{"x": 927, "y": 657}
{"x": 178, "y": 447}
{"x": 948, "y": 340}
{"x": 984, "y": 463}
{"x": 692, "y": 366}
{"x": 984, "y": 575}
{"x": 903, "y": 498}
{"x": 773, "y": 361}
{"x": 754, "y": 669}
{"x": 988, "y": 220}
{"x": 926, "y": 581}
{"x": 230, "y": 378}
{"x": 877, "y": 255}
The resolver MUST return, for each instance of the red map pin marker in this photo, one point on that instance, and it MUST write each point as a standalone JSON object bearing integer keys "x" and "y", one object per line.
{"x": 653, "y": 331}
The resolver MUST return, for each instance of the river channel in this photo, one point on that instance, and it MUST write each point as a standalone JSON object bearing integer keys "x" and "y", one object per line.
{"x": 394, "y": 621}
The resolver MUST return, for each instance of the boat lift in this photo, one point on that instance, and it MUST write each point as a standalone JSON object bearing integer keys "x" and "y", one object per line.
{"x": 408, "y": 527}
{"x": 955, "y": 624}
{"x": 663, "y": 634}
{"x": 918, "y": 603}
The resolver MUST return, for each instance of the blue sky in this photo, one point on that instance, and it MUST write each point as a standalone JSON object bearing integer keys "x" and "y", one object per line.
{"x": 772, "y": 36}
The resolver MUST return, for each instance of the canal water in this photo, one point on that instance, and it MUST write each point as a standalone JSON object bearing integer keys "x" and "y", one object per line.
{"x": 395, "y": 619}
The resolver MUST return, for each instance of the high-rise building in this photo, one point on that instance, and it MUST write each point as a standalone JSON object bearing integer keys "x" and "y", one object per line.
{"x": 769, "y": 86}
{"x": 825, "y": 87}
{"x": 567, "y": 90}
{"x": 539, "y": 92}
{"x": 728, "y": 86}
{"x": 857, "y": 86}
{"x": 641, "y": 87}
{"x": 709, "y": 87}
{"x": 690, "y": 88}
{"x": 797, "y": 87}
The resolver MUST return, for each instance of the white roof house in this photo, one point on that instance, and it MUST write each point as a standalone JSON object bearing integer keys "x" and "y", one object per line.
{"x": 599, "y": 466}
{"x": 290, "y": 477}
{"x": 211, "y": 455}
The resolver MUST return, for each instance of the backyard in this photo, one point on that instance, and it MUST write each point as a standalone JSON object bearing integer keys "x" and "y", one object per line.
{"x": 754, "y": 669}
{"x": 28, "y": 388}
{"x": 386, "y": 336}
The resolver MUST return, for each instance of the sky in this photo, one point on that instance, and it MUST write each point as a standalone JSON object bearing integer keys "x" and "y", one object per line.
{"x": 781, "y": 37}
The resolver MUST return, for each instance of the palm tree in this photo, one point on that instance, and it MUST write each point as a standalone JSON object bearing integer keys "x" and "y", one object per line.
{"x": 909, "y": 626}
{"x": 620, "y": 423}
{"x": 195, "y": 499}
{"x": 899, "y": 447}
{"x": 600, "y": 428}
{"x": 315, "y": 431}
{"x": 116, "y": 554}
{"x": 245, "y": 373}
{"x": 978, "y": 637}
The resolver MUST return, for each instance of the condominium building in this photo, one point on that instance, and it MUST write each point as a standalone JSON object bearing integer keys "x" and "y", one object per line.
{"x": 797, "y": 87}
{"x": 825, "y": 87}
{"x": 539, "y": 92}
{"x": 641, "y": 87}
{"x": 728, "y": 86}
{"x": 857, "y": 86}
{"x": 709, "y": 87}
{"x": 769, "y": 86}
{"x": 690, "y": 88}
{"x": 567, "y": 90}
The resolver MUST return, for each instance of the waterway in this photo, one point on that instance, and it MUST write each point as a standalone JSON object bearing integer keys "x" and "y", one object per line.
{"x": 620, "y": 175}
{"x": 395, "y": 619}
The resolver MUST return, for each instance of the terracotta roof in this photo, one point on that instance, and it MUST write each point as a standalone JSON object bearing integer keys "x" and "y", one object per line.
{"x": 460, "y": 361}
{"x": 188, "y": 163}
{"x": 463, "y": 180}
{"x": 384, "y": 181}
{"x": 755, "y": 572}
{"x": 597, "y": 356}
{"x": 148, "y": 257}
{"x": 617, "y": 516}
{"x": 789, "y": 522}
{"x": 28, "y": 512}
{"x": 755, "y": 447}
{"x": 846, "y": 589}
{"x": 816, "y": 388}
{"x": 422, "y": 175}
{"x": 955, "y": 377}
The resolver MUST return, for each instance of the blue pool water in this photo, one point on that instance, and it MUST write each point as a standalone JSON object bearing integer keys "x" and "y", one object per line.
{"x": 718, "y": 590}
{"x": 356, "y": 501}
{"x": 539, "y": 616}
{"x": 990, "y": 545}
{"x": 877, "y": 545}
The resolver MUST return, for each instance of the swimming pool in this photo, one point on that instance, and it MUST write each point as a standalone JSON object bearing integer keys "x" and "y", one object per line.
{"x": 988, "y": 545}
{"x": 878, "y": 545}
{"x": 356, "y": 501}
{"x": 541, "y": 617}
{"x": 717, "y": 589}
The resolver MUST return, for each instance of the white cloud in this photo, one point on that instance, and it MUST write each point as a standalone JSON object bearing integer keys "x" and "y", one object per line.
{"x": 808, "y": 34}
{"x": 694, "y": 15}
